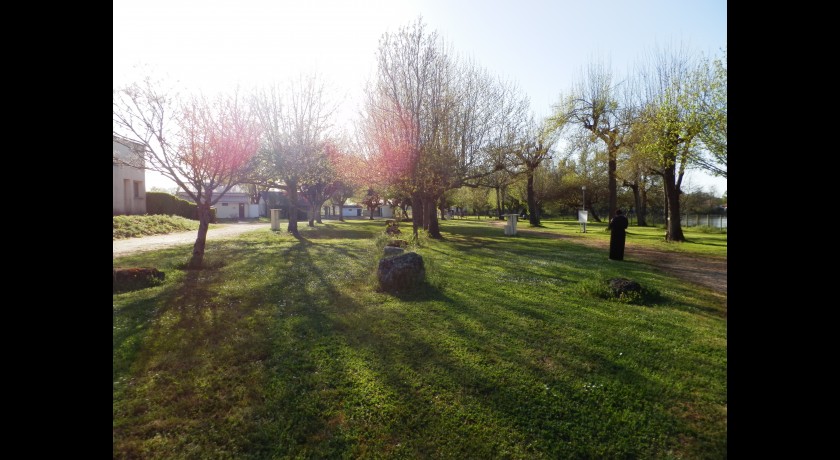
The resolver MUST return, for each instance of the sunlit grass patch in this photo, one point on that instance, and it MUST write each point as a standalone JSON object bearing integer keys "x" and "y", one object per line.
{"x": 285, "y": 349}
{"x": 140, "y": 225}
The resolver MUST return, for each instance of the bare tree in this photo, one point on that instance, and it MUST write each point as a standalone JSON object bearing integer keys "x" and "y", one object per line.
{"x": 322, "y": 180}
{"x": 204, "y": 145}
{"x": 343, "y": 192}
{"x": 296, "y": 122}
{"x": 430, "y": 118}
{"x": 396, "y": 108}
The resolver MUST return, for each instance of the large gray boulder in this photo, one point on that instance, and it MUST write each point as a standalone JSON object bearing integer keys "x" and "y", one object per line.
{"x": 401, "y": 273}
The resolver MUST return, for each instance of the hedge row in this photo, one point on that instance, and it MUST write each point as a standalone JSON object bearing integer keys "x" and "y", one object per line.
{"x": 170, "y": 205}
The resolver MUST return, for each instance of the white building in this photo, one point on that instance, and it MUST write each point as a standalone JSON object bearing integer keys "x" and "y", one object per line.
{"x": 232, "y": 205}
{"x": 129, "y": 182}
{"x": 352, "y": 210}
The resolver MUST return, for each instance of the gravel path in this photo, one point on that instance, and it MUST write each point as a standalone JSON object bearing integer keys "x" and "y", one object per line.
{"x": 153, "y": 242}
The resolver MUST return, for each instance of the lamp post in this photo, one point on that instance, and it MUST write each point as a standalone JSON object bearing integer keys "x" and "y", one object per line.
{"x": 584, "y": 197}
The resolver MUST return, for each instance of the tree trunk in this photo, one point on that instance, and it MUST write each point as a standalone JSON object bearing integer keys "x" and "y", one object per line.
{"x": 197, "y": 259}
{"x": 638, "y": 202}
{"x": 341, "y": 211}
{"x": 431, "y": 224}
{"x": 611, "y": 183}
{"x": 534, "y": 217}
{"x": 673, "y": 225}
{"x": 318, "y": 210}
{"x": 416, "y": 213}
{"x": 426, "y": 212}
{"x": 641, "y": 208}
{"x": 293, "y": 209}
{"x": 442, "y": 207}
{"x": 499, "y": 203}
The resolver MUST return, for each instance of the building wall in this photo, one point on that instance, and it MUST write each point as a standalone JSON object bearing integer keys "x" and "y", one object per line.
{"x": 351, "y": 212}
{"x": 129, "y": 188}
{"x": 230, "y": 210}
{"x": 226, "y": 210}
{"x": 228, "y": 205}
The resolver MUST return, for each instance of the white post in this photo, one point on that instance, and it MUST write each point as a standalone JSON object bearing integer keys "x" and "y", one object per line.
{"x": 275, "y": 219}
{"x": 510, "y": 228}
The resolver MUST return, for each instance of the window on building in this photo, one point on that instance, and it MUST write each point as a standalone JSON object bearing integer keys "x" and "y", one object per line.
{"x": 138, "y": 185}
{"x": 224, "y": 204}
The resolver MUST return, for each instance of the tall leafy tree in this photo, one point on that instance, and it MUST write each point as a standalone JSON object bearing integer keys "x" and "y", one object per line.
{"x": 670, "y": 124}
{"x": 533, "y": 151}
{"x": 711, "y": 99}
{"x": 603, "y": 110}
{"x": 546, "y": 187}
{"x": 635, "y": 174}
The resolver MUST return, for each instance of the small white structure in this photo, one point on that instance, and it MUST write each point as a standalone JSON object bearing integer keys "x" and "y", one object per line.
{"x": 129, "y": 182}
{"x": 510, "y": 228}
{"x": 275, "y": 219}
{"x": 387, "y": 211}
{"x": 351, "y": 210}
{"x": 583, "y": 216}
{"x": 232, "y": 205}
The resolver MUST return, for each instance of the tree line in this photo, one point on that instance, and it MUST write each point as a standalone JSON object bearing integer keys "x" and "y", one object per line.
{"x": 435, "y": 128}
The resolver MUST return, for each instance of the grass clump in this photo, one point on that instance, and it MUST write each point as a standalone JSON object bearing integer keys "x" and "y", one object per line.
{"x": 599, "y": 287}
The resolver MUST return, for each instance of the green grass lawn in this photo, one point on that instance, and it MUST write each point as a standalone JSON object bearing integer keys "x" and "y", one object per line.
{"x": 703, "y": 241}
{"x": 284, "y": 348}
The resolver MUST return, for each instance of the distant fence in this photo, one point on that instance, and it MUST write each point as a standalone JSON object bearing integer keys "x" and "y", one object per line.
{"x": 704, "y": 220}
{"x": 688, "y": 220}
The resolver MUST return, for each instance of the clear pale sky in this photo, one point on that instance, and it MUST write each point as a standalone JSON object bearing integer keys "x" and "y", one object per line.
{"x": 542, "y": 45}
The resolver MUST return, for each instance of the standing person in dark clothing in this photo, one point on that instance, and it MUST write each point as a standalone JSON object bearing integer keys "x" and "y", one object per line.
{"x": 617, "y": 226}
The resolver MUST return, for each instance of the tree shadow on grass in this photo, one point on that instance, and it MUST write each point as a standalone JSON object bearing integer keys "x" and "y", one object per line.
{"x": 423, "y": 291}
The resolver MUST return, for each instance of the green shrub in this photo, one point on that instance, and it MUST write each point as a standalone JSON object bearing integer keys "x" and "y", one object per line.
{"x": 170, "y": 205}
